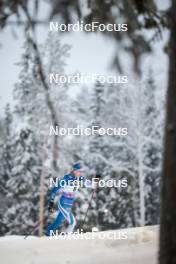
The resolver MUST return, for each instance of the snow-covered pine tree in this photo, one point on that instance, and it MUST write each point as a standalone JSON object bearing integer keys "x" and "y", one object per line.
{"x": 145, "y": 142}
{"x": 32, "y": 99}
{"x": 7, "y": 153}
{"x": 105, "y": 155}
{"x": 119, "y": 202}
{"x": 124, "y": 157}
{"x": 23, "y": 185}
{"x": 88, "y": 112}
{"x": 95, "y": 157}
{"x": 152, "y": 152}
{"x": 33, "y": 111}
{"x": 6, "y": 160}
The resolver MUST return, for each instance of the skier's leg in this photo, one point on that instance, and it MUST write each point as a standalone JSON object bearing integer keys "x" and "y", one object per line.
{"x": 65, "y": 206}
{"x": 56, "y": 224}
{"x": 72, "y": 224}
{"x": 62, "y": 215}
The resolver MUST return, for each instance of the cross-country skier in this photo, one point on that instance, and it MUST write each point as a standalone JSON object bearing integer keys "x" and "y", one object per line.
{"x": 66, "y": 200}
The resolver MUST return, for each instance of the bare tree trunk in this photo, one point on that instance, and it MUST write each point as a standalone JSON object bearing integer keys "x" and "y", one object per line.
{"x": 48, "y": 100}
{"x": 167, "y": 254}
{"x": 50, "y": 105}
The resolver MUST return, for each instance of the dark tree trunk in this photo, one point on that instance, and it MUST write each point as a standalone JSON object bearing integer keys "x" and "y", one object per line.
{"x": 167, "y": 254}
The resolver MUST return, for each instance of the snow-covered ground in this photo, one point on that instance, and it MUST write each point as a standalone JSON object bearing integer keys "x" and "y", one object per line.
{"x": 138, "y": 247}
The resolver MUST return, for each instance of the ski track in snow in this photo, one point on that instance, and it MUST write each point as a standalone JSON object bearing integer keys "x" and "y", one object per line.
{"x": 140, "y": 247}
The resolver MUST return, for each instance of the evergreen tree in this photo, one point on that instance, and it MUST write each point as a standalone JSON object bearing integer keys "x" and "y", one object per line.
{"x": 135, "y": 157}
{"x": 95, "y": 156}
{"x": 7, "y": 152}
{"x": 153, "y": 153}
{"x": 6, "y": 157}
{"x": 32, "y": 100}
{"x": 122, "y": 206}
{"x": 146, "y": 145}
{"x": 102, "y": 154}
{"x": 31, "y": 138}
{"x": 23, "y": 186}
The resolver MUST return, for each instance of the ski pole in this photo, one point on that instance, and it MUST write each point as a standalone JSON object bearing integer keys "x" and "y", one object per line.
{"x": 88, "y": 208}
{"x": 98, "y": 177}
{"x": 34, "y": 228}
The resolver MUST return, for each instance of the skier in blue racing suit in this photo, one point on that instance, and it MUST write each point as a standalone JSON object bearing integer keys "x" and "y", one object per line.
{"x": 66, "y": 200}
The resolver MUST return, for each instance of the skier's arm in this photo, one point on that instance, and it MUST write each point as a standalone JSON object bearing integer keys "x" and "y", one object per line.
{"x": 54, "y": 191}
{"x": 57, "y": 188}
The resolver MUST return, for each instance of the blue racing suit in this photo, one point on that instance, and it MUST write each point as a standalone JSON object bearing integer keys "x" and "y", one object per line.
{"x": 68, "y": 187}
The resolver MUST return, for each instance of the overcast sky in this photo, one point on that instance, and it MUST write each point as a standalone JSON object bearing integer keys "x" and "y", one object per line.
{"x": 90, "y": 53}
